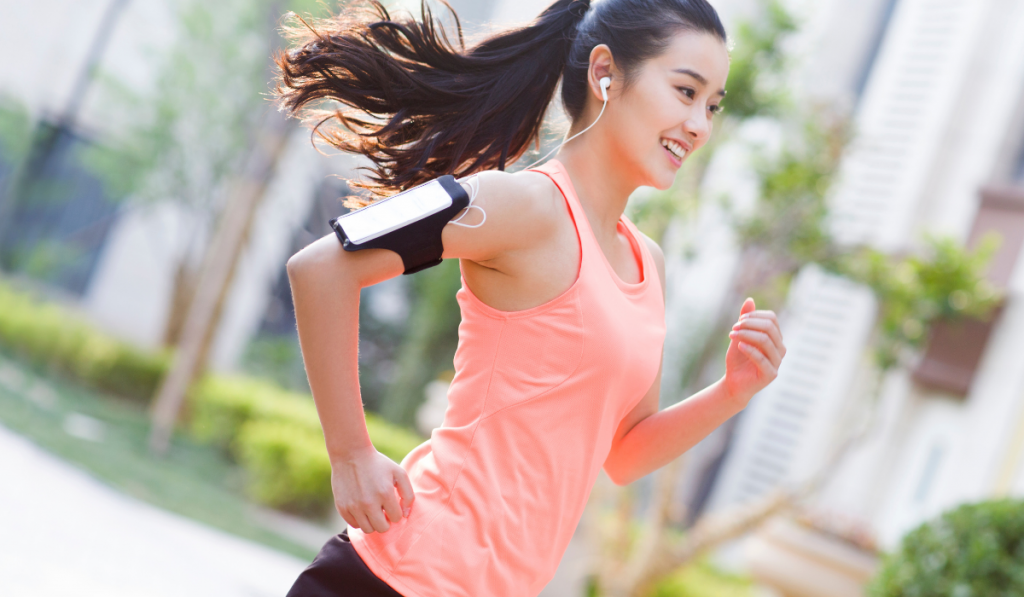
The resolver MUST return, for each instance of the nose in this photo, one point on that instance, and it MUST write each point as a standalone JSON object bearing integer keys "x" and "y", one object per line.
{"x": 697, "y": 126}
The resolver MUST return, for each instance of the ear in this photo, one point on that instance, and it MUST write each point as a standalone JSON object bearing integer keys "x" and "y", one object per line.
{"x": 602, "y": 64}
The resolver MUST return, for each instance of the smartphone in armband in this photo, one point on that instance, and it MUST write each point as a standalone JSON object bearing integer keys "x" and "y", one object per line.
{"x": 409, "y": 223}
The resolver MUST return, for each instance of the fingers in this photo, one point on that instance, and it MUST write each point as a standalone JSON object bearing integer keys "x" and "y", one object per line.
{"x": 373, "y": 514}
{"x": 759, "y": 337}
{"x": 378, "y": 522}
{"x": 348, "y": 518}
{"x": 761, "y": 361}
{"x": 365, "y": 520}
{"x": 765, "y": 325}
{"x": 365, "y": 492}
{"x": 761, "y": 341}
{"x": 404, "y": 490}
{"x": 362, "y": 522}
{"x": 770, "y": 315}
{"x": 391, "y": 506}
{"x": 748, "y": 307}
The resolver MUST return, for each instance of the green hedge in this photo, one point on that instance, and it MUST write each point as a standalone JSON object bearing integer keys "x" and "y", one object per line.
{"x": 52, "y": 337}
{"x": 273, "y": 433}
{"x": 288, "y": 466}
{"x": 976, "y": 550}
{"x": 276, "y": 435}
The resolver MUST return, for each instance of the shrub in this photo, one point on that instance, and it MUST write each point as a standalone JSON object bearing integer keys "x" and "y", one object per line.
{"x": 701, "y": 578}
{"x": 121, "y": 369}
{"x": 52, "y": 337}
{"x": 275, "y": 435}
{"x": 391, "y": 440}
{"x": 221, "y": 405}
{"x": 286, "y": 466}
{"x": 976, "y": 550}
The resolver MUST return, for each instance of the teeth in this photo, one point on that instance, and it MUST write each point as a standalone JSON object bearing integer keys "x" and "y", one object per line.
{"x": 676, "y": 149}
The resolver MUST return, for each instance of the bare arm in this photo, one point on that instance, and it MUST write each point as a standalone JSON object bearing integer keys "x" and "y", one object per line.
{"x": 326, "y": 282}
{"x": 647, "y": 439}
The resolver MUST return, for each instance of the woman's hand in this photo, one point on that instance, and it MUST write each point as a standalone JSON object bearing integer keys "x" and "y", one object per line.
{"x": 364, "y": 490}
{"x": 755, "y": 353}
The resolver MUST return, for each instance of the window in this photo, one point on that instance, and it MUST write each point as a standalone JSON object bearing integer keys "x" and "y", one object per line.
{"x": 59, "y": 221}
{"x": 886, "y": 12}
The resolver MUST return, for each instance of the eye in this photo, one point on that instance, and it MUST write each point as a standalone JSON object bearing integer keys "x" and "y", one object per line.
{"x": 688, "y": 92}
{"x": 715, "y": 109}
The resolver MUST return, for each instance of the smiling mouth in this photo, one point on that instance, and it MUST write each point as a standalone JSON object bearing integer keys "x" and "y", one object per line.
{"x": 676, "y": 149}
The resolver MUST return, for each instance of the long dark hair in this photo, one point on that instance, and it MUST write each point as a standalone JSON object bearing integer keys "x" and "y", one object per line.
{"x": 418, "y": 107}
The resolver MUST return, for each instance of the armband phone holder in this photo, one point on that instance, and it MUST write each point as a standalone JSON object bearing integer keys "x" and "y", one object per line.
{"x": 409, "y": 223}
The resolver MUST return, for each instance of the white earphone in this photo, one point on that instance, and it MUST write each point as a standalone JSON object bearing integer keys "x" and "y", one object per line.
{"x": 605, "y": 83}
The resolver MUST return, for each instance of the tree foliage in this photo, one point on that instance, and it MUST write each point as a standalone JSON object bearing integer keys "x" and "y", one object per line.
{"x": 15, "y": 130}
{"x": 974, "y": 550}
{"x": 191, "y": 130}
{"x": 788, "y": 228}
{"x": 758, "y": 62}
{"x": 945, "y": 282}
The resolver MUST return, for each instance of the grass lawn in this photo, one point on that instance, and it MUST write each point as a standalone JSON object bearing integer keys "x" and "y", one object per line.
{"x": 107, "y": 437}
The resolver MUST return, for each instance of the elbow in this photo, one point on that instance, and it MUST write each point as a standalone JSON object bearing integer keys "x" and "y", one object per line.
{"x": 621, "y": 481}
{"x": 617, "y": 477}
{"x": 297, "y": 268}
{"x": 312, "y": 261}
{"x": 295, "y": 265}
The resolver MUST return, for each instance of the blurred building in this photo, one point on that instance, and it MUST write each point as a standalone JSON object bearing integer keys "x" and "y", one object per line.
{"x": 937, "y": 92}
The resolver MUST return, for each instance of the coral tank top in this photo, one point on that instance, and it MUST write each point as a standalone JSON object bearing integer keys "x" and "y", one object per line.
{"x": 537, "y": 397}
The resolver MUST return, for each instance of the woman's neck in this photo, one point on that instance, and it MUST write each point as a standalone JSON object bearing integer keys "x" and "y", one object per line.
{"x": 602, "y": 189}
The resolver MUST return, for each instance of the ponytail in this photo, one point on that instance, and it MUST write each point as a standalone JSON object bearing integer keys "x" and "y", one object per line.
{"x": 417, "y": 107}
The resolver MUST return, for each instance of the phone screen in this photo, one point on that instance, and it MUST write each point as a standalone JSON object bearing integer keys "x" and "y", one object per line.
{"x": 381, "y": 217}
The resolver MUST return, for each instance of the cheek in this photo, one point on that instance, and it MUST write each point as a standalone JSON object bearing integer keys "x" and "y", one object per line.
{"x": 652, "y": 115}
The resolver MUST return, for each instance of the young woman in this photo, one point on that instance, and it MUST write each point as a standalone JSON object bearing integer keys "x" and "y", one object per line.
{"x": 562, "y": 297}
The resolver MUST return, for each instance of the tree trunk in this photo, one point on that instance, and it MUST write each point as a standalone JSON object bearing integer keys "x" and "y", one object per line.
{"x": 185, "y": 279}
{"x": 218, "y": 269}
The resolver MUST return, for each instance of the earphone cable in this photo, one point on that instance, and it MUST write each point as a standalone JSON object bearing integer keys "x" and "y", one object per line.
{"x": 571, "y": 138}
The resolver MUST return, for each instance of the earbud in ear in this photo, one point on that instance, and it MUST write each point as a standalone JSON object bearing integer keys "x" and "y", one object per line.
{"x": 606, "y": 82}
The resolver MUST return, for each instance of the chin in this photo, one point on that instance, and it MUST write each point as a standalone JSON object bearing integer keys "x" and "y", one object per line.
{"x": 662, "y": 180}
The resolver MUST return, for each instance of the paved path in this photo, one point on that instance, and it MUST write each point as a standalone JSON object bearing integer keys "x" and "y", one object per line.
{"x": 63, "y": 533}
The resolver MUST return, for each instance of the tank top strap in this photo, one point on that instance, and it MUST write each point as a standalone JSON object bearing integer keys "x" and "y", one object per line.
{"x": 554, "y": 170}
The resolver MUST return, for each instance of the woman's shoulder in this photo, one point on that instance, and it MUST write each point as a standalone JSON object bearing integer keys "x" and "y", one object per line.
{"x": 527, "y": 191}
{"x": 522, "y": 208}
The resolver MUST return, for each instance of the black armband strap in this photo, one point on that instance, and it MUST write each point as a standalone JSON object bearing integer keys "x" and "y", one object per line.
{"x": 417, "y": 243}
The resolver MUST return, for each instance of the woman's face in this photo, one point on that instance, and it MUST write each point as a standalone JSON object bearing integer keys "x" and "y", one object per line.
{"x": 667, "y": 112}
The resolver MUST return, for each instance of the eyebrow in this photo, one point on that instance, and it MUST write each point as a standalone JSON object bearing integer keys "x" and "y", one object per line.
{"x": 700, "y": 78}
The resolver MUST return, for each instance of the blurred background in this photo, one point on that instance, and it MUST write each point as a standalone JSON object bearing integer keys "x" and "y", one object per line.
{"x": 865, "y": 180}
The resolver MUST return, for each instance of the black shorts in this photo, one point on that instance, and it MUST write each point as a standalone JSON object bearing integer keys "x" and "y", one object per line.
{"x": 338, "y": 571}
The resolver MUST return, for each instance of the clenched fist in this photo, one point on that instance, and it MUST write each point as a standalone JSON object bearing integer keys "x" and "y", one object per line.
{"x": 755, "y": 352}
{"x": 364, "y": 485}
